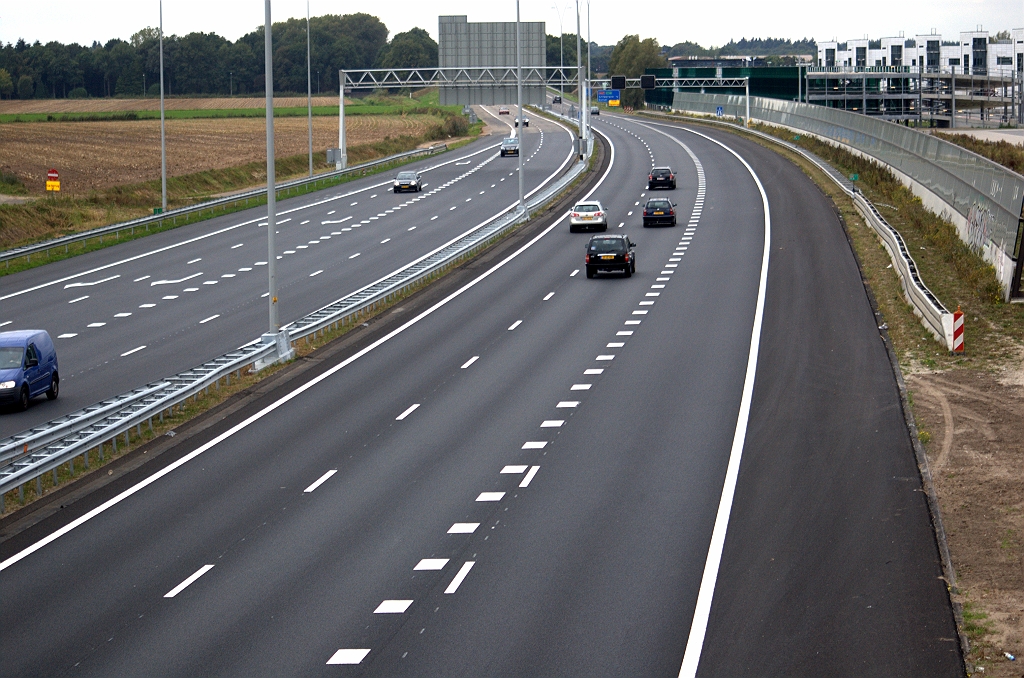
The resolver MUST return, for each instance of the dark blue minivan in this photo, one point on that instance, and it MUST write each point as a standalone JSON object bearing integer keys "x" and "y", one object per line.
{"x": 28, "y": 367}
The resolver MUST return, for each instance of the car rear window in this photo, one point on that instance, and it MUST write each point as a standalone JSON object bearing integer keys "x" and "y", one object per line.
{"x": 608, "y": 245}
{"x": 658, "y": 205}
{"x": 661, "y": 172}
{"x": 10, "y": 357}
{"x": 406, "y": 175}
{"x": 585, "y": 208}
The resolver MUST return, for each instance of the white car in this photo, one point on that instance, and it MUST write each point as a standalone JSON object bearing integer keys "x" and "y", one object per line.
{"x": 588, "y": 215}
{"x": 526, "y": 122}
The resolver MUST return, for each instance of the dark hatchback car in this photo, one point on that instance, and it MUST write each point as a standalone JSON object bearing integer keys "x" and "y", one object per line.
{"x": 408, "y": 181}
{"x": 610, "y": 253}
{"x": 659, "y": 212}
{"x": 661, "y": 176}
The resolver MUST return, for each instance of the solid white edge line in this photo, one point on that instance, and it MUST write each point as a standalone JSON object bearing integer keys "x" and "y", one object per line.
{"x": 185, "y": 584}
{"x": 702, "y": 612}
{"x": 299, "y": 390}
{"x": 409, "y": 411}
{"x": 320, "y": 481}
{"x": 463, "y": 571}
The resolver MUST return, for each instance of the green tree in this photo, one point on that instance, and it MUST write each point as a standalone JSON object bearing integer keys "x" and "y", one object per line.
{"x": 415, "y": 49}
{"x": 25, "y": 87}
{"x": 6, "y": 84}
{"x": 631, "y": 57}
{"x": 568, "y": 43}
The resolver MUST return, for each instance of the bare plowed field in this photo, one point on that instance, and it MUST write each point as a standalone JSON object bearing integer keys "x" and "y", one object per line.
{"x": 106, "y": 105}
{"x": 91, "y": 155}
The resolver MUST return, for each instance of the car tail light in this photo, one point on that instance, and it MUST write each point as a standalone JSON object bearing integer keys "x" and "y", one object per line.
{"x": 574, "y": 215}
{"x": 650, "y": 177}
{"x": 598, "y": 214}
{"x": 672, "y": 212}
{"x": 587, "y": 260}
{"x": 671, "y": 176}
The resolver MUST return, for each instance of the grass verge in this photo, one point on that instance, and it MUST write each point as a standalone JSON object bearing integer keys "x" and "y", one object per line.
{"x": 1006, "y": 154}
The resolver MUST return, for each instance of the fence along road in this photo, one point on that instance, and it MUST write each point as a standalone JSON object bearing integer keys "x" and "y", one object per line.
{"x": 192, "y": 294}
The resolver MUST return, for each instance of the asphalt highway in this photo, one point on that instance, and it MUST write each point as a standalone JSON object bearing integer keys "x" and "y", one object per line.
{"x": 138, "y": 312}
{"x": 520, "y": 472}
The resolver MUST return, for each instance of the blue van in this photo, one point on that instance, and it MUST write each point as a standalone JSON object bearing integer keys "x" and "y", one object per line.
{"x": 28, "y": 367}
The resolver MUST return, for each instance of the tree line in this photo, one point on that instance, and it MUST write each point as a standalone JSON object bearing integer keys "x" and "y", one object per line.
{"x": 206, "y": 63}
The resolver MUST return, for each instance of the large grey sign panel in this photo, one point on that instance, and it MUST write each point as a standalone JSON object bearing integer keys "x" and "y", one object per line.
{"x": 463, "y": 44}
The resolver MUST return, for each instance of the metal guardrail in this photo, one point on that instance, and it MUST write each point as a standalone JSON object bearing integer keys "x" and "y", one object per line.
{"x": 934, "y": 316}
{"x": 28, "y": 455}
{"x": 29, "y": 250}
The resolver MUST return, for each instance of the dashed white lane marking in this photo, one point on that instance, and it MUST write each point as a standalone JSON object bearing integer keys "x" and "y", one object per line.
{"x": 632, "y": 322}
{"x": 315, "y": 273}
{"x": 514, "y": 469}
{"x": 385, "y": 240}
{"x": 605, "y": 356}
{"x": 354, "y": 204}
{"x": 431, "y": 564}
{"x": 552, "y": 423}
{"x": 146, "y": 277}
{"x": 463, "y": 528}
{"x": 457, "y": 581}
{"x": 73, "y": 301}
{"x": 615, "y": 344}
{"x": 227, "y": 275}
{"x": 206, "y": 320}
{"x": 534, "y": 445}
{"x": 331, "y": 212}
{"x": 452, "y": 207}
{"x": 671, "y": 265}
{"x": 594, "y": 370}
{"x": 432, "y": 218}
{"x": 96, "y": 324}
{"x": 646, "y": 303}
{"x": 245, "y": 269}
{"x": 515, "y": 325}
{"x": 580, "y": 387}
{"x": 134, "y": 350}
{"x": 549, "y": 295}
{"x": 622, "y": 224}
{"x": 663, "y": 279}
{"x": 529, "y": 476}
{"x": 194, "y": 261}
{"x": 210, "y": 282}
{"x": 235, "y": 247}
{"x": 411, "y": 228}
{"x": 405, "y": 414}
{"x": 574, "y": 273}
{"x": 349, "y": 656}
{"x": 470, "y": 361}
{"x": 175, "y": 282}
{"x": 624, "y": 333}
{"x": 303, "y": 223}
{"x": 658, "y": 287}
{"x": 490, "y": 496}
{"x": 355, "y": 255}
{"x": 90, "y": 284}
{"x": 652, "y": 294}
{"x": 568, "y": 403}
{"x": 185, "y": 584}
{"x": 321, "y": 480}
{"x": 393, "y": 607}
{"x": 67, "y": 336}
{"x": 147, "y": 305}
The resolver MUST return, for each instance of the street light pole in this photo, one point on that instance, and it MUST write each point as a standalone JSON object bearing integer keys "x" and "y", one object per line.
{"x": 590, "y": 132}
{"x": 561, "y": 61}
{"x": 163, "y": 134}
{"x": 521, "y": 125}
{"x": 579, "y": 70}
{"x": 309, "y": 93}
{"x": 268, "y": 57}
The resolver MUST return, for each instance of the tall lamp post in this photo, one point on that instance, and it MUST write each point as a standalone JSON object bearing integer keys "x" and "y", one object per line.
{"x": 521, "y": 119}
{"x": 579, "y": 72}
{"x": 561, "y": 59}
{"x": 163, "y": 134}
{"x": 309, "y": 93}
{"x": 590, "y": 133}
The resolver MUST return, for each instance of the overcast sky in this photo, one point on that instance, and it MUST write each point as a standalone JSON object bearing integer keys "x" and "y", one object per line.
{"x": 707, "y": 23}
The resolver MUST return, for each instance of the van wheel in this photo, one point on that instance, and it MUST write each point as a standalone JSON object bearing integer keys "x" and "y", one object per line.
{"x": 54, "y": 387}
{"x": 23, "y": 400}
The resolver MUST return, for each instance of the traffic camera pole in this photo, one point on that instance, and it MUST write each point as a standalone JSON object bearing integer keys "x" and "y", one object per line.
{"x": 521, "y": 124}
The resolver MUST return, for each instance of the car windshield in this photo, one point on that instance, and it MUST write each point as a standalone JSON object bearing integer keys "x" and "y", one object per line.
{"x": 510, "y": 142}
{"x": 658, "y": 205}
{"x": 406, "y": 175}
{"x": 608, "y": 245}
{"x": 661, "y": 172}
{"x": 585, "y": 207}
{"x": 10, "y": 357}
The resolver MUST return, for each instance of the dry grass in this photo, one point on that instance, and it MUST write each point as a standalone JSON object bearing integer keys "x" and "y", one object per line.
{"x": 98, "y": 155}
{"x": 1006, "y": 154}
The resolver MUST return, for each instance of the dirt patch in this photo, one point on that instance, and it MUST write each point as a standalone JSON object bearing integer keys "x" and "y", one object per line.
{"x": 98, "y": 155}
{"x": 971, "y": 421}
{"x": 109, "y": 105}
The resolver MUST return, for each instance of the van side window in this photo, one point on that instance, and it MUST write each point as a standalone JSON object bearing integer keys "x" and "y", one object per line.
{"x": 31, "y": 353}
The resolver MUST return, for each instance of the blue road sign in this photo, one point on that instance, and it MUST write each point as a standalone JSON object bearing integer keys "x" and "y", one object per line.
{"x": 719, "y": 112}
{"x": 606, "y": 95}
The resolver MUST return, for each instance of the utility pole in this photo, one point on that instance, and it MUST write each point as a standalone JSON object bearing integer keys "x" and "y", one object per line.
{"x": 522, "y": 119}
{"x": 309, "y": 93}
{"x": 268, "y": 86}
{"x": 163, "y": 133}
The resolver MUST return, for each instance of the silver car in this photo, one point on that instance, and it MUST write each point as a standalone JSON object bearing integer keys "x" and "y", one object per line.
{"x": 588, "y": 215}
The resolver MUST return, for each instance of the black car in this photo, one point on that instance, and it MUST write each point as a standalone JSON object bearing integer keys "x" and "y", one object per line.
{"x": 659, "y": 212}
{"x": 556, "y": 99}
{"x": 610, "y": 253}
{"x": 661, "y": 176}
{"x": 408, "y": 181}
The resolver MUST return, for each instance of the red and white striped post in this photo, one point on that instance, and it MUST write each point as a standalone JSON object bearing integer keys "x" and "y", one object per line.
{"x": 958, "y": 331}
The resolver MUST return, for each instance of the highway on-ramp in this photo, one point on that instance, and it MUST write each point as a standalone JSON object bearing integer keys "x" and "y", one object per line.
{"x": 521, "y": 472}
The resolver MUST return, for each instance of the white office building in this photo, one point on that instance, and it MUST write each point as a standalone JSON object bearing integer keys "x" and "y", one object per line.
{"x": 972, "y": 52}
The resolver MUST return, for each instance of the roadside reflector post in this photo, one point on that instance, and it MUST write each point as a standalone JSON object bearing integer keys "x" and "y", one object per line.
{"x": 958, "y": 332}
